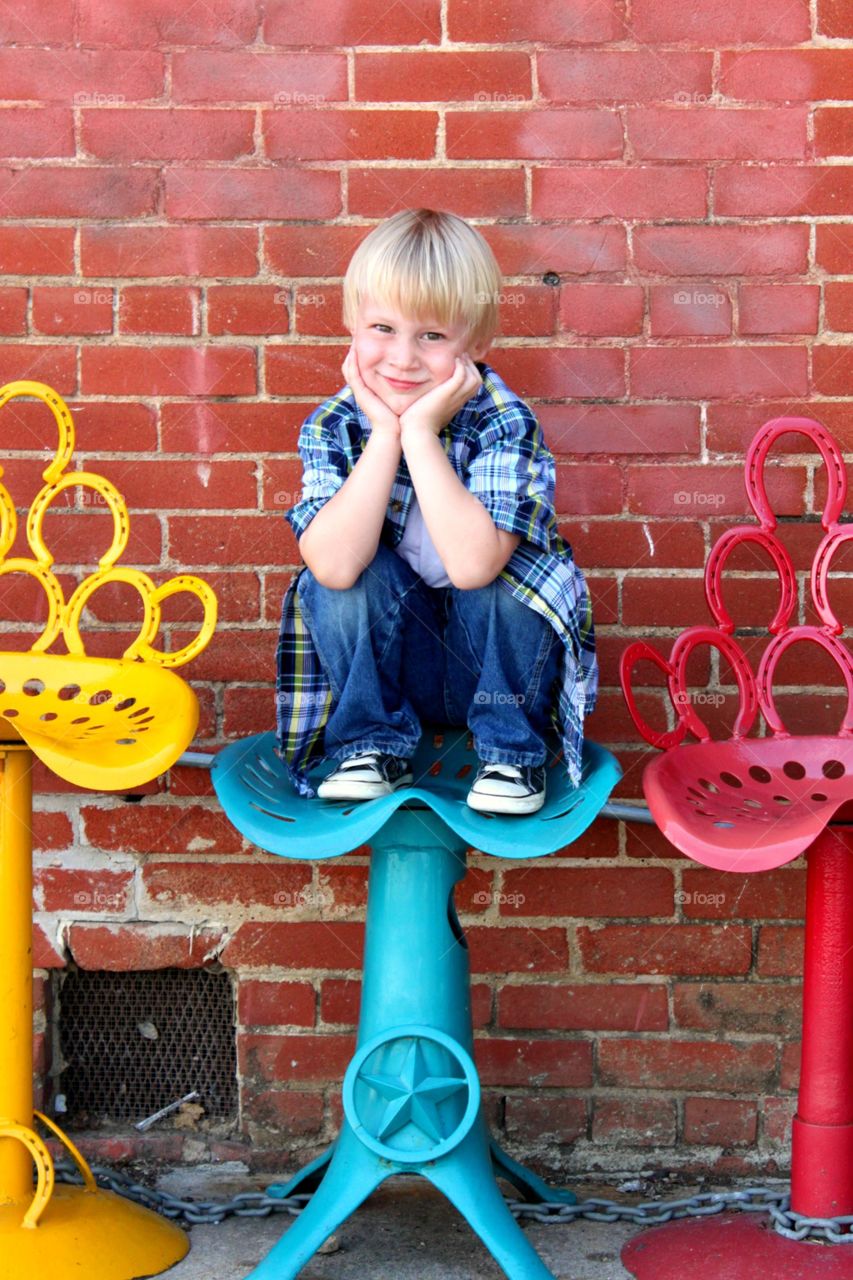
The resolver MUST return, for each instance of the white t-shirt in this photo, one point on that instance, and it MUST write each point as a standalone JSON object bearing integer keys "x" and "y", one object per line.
{"x": 418, "y": 549}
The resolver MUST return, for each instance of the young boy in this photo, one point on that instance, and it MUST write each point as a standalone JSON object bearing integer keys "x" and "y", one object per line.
{"x": 437, "y": 589}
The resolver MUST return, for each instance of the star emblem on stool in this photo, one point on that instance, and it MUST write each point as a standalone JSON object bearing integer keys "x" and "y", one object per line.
{"x": 410, "y": 1093}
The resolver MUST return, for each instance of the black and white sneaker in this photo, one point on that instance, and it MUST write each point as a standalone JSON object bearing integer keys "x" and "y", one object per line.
{"x": 508, "y": 788}
{"x": 365, "y": 776}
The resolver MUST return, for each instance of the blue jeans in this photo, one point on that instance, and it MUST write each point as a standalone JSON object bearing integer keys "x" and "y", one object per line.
{"x": 399, "y": 654}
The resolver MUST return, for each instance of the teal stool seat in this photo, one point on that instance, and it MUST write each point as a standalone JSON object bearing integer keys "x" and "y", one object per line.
{"x": 411, "y": 1094}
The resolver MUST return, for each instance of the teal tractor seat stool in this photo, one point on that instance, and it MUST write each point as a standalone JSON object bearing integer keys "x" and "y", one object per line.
{"x": 411, "y": 1094}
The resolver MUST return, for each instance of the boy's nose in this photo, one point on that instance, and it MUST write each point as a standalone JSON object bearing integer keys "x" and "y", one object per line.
{"x": 404, "y": 355}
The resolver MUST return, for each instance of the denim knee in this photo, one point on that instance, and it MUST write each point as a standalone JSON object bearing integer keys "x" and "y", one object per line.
{"x": 387, "y": 572}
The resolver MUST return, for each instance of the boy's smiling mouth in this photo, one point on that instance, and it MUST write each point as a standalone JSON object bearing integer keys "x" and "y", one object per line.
{"x": 400, "y": 384}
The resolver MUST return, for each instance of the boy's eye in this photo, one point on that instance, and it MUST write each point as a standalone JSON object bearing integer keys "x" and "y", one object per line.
{"x": 432, "y": 334}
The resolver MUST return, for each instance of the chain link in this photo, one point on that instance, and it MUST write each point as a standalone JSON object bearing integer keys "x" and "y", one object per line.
{"x": 650, "y": 1213}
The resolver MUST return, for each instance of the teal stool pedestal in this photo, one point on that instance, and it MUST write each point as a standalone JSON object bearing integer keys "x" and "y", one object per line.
{"x": 411, "y": 1093}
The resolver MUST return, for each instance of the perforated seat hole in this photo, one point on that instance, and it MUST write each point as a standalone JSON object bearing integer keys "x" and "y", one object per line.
{"x": 833, "y": 769}
{"x": 438, "y": 739}
{"x": 730, "y": 780}
{"x": 68, "y": 691}
{"x": 758, "y": 774}
{"x": 709, "y": 786}
{"x": 124, "y": 704}
{"x": 435, "y": 769}
{"x": 10, "y": 714}
{"x": 753, "y": 804}
{"x": 140, "y": 711}
{"x": 464, "y": 771}
{"x": 724, "y": 824}
{"x": 103, "y": 695}
{"x": 125, "y": 742}
{"x": 781, "y": 799}
{"x": 48, "y": 715}
{"x": 80, "y": 720}
{"x": 705, "y": 813}
{"x": 694, "y": 792}
{"x": 2, "y": 686}
{"x": 793, "y": 769}
{"x": 32, "y": 688}
{"x": 818, "y": 795}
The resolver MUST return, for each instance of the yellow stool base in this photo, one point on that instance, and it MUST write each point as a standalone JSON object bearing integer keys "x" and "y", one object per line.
{"x": 90, "y": 1235}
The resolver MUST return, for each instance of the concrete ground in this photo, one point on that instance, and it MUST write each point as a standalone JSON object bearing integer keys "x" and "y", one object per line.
{"x": 405, "y": 1231}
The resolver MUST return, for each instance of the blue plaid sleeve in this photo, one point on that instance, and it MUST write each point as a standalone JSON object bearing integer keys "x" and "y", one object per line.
{"x": 513, "y": 475}
{"x": 325, "y": 465}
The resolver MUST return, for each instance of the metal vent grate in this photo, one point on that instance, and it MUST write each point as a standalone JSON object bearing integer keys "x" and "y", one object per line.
{"x": 131, "y": 1043}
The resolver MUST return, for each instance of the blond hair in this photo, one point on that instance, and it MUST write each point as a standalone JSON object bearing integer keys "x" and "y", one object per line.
{"x": 424, "y": 262}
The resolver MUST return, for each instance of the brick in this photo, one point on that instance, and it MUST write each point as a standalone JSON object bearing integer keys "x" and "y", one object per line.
{"x": 66, "y": 310}
{"x": 554, "y": 134}
{"x": 778, "y": 1114}
{"x": 45, "y": 954}
{"x": 84, "y": 76}
{"x": 750, "y": 1007}
{"x": 526, "y": 310}
{"x": 789, "y": 1075}
{"x": 588, "y": 489}
{"x": 20, "y": 24}
{"x": 295, "y": 1112}
{"x": 572, "y": 250}
{"x": 36, "y": 132}
{"x": 51, "y": 830}
{"x": 832, "y": 368}
{"x": 636, "y": 191}
{"x": 517, "y": 950}
{"x": 717, "y": 133}
{"x": 688, "y": 310}
{"x": 119, "y": 947}
{"x": 376, "y": 193}
{"x": 834, "y": 19}
{"x": 833, "y": 131}
{"x": 73, "y": 889}
{"x": 451, "y": 76}
{"x": 684, "y": 1064}
{"x": 709, "y": 490}
{"x": 319, "y": 311}
{"x": 778, "y": 308}
{"x": 58, "y": 191}
{"x": 770, "y": 250}
{"x": 640, "y": 1122}
{"x": 780, "y": 951}
{"x": 554, "y": 22}
{"x": 159, "y": 22}
{"x": 343, "y": 887}
{"x": 188, "y": 885}
{"x": 557, "y": 371}
{"x": 576, "y": 891}
{"x": 720, "y": 372}
{"x": 296, "y": 944}
{"x": 247, "y": 711}
{"x": 838, "y": 301}
{"x": 784, "y": 190}
{"x": 833, "y": 246}
{"x": 666, "y": 948}
{"x": 282, "y": 483}
{"x": 13, "y": 311}
{"x": 294, "y": 134}
{"x": 165, "y": 134}
{"x": 547, "y": 1117}
{"x": 621, "y": 428}
{"x": 205, "y": 427}
{"x": 267, "y": 78}
{"x": 602, "y": 309}
{"x": 732, "y": 427}
{"x": 583, "y": 1007}
{"x": 164, "y": 309}
{"x": 43, "y": 251}
{"x": 778, "y": 894}
{"x": 504, "y": 1062}
{"x": 168, "y": 370}
{"x": 273, "y": 1004}
{"x": 55, "y": 365}
{"x": 623, "y": 75}
{"x": 339, "y": 1000}
{"x": 230, "y": 540}
{"x": 722, "y": 1122}
{"x": 786, "y": 75}
{"x": 313, "y": 251}
{"x": 209, "y": 194}
{"x": 295, "y": 1057}
{"x": 168, "y": 251}
{"x": 608, "y": 544}
{"x": 304, "y": 369}
{"x": 158, "y": 828}
{"x": 246, "y": 308}
{"x": 712, "y": 23}
{"x": 374, "y": 22}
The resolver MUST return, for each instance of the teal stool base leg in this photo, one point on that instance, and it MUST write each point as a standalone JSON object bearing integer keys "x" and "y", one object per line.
{"x": 307, "y": 1179}
{"x": 532, "y": 1187}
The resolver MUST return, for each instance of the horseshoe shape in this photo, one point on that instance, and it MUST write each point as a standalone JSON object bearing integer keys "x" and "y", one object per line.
{"x": 640, "y": 651}
{"x": 783, "y": 564}
{"x": 44, "y": 1169}
{"x": 731, "y": 650}
{"x": 142, "y": 648}
{"x": 53, "y": 591}
{"x": 769, "y": 662}
{"x": 87, "y": 588}
{"x": 86, "y": 480}
{"x": 836, "y": 473}
{"x": 820, "y": 574}
{"x": 62, "y": 417}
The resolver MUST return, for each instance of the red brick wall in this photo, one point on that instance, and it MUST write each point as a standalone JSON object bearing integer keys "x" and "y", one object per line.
{"x": 666, "y": 188}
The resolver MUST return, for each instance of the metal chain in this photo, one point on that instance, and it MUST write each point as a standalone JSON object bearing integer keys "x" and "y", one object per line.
{"x": 258, "y": 1204}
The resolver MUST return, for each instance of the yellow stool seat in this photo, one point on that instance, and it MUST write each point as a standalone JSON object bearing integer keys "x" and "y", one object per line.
{"x": 103, "y": 723}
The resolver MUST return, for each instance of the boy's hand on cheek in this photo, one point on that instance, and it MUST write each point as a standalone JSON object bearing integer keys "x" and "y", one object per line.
{"x": 433, "y": 411}
{"x": 381, "y": 417}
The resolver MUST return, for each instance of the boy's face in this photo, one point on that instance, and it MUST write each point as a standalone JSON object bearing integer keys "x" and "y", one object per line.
{"x": 402, "y": 358}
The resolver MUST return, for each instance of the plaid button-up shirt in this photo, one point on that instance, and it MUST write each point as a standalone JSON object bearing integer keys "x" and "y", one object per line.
{"x": 495, "y": 446}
